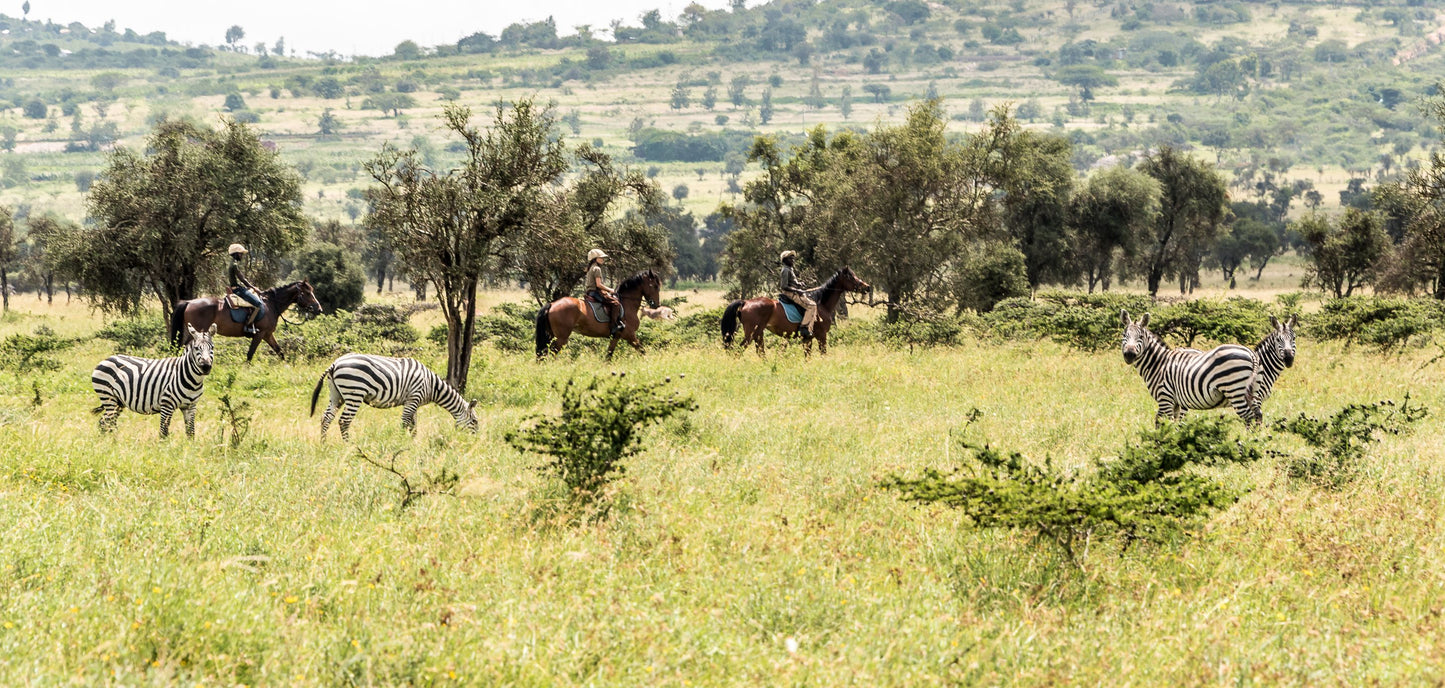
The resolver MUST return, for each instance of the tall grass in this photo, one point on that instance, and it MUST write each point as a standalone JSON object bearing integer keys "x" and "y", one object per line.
{"x": 752, "y": 547}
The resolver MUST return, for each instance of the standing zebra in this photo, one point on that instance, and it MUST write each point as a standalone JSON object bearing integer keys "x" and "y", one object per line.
{"x": 149, "y": 385}
{"x": 1272, "y": 356}
{"x": 385, "y": 382}
{"x": 1189, "y": 379}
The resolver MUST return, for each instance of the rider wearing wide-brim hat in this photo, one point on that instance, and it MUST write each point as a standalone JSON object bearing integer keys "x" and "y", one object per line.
{"x": 592, "y": 283}
{"x": 794, "y": 290}
{"x": 242, "y": 287}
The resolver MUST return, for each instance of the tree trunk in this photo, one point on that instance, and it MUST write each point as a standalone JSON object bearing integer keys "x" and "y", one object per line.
{"x": 380, "y": 277}
{"x": 461, "y": 314}
{"x": 1260, "y": 273}
{"x": 49, "y": 288}
{"x": 5, "y": 287}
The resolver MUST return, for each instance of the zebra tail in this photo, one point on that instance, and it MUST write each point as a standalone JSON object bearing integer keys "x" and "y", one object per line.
{"x": 178, "y": 324}
{"x": 316, "y": 393}
{"x": 544, "y": 330}
{"x": 730, "y": 322}
{"x": 97, "y": 410}
{"x": 1249, "y": 390}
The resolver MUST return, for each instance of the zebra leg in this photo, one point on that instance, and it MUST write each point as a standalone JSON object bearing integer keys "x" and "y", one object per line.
{"x": 344, "y": 423}
{"x": 110, "y": 411}
{"x": 408, "y": 416}
{"x": 166, "y": 421}
{"x": 326, "y": 417}
{"x": 189, "y": 413}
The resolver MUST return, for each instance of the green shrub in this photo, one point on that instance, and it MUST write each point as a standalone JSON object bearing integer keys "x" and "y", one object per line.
{"x": 26, "y": 353}
{"x": 988, "y": 274}
{"x": 1148, "y": 494}
{"x": 1385, "y": 323}
{"x": 1338, "y": 443}
{"x": 510, "y": 327}
{"x": 600, "y": 427}
{"x": 337, "y": 279}
{"x": 1235, "y": 320}
{"x": 373, "y": 328}
{"x": 135, "y": 335}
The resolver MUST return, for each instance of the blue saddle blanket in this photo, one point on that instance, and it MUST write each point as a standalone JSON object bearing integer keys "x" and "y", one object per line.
{"x": 241, "y": 315}
{"x": 794, "y": 313}
{"x": 599, "y": 310}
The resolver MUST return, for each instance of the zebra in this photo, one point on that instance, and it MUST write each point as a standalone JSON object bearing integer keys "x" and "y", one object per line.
{"x": 149, "y": 385}
{"x": 1190, "y": 379}
{"x": 1272, "y": 355}
{"x": 385, "y": 382}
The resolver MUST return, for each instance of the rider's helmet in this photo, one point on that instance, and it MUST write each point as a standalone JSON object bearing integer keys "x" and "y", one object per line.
{"x": 786, "y": 255}
{"x": 236, "y": 248}
{"x": 594, "y": 254}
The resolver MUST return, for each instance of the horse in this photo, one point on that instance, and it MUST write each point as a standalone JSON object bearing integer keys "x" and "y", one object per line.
{"x": 557, "y": 321}
{"x": 765, "y": 313}
{"x": 203, "y": 312}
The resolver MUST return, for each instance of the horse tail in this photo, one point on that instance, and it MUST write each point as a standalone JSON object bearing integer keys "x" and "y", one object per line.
{"x": 316, "y": 393}
{"x": 178, "y": 324}
{"x": 730, "y": 322}
{"x": 544, "y": 330}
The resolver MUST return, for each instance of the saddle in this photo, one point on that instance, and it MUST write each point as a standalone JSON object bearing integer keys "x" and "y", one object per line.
{"x": 793, "y": 311}
{"x": 599, "y": 308}
{"x": 239, "y": 308}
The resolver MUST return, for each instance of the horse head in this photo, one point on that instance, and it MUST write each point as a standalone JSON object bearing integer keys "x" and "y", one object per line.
{"x": 306, "y": 298}
{"x": 652, "y": 288}
{"x": 851, "y": 281}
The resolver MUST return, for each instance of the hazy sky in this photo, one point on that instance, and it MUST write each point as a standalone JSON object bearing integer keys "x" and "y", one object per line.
{"x": 358, "y": 27}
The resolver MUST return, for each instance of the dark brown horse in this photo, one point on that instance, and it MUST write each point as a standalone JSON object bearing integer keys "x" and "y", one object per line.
{"x": 557, "y": 321}
{"x": 203, "y": 312}
{"x": 767, "y": 314}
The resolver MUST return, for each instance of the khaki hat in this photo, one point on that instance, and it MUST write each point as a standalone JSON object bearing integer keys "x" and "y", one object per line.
{"x": 594, "y": 254}
{"x": 237, "y": 248}
{"x": 787, "y": 254}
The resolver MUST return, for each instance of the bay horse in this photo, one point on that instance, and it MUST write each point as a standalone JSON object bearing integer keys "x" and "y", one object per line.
{"x": 557, "y": 321}
{"x": 203, "y": 312}
{"x": 767, "y": 314}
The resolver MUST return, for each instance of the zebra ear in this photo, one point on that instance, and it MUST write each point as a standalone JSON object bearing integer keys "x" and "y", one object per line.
{"x": 472, "y": 404}
{"x": 191, "y": 329}
{"x": 1274, "y": 321}
{"x": 1293, "y": 320}
{"x": 212, "y": 330}
{"x": 1144, "y": 321}
{"x": 1124, "y": 317}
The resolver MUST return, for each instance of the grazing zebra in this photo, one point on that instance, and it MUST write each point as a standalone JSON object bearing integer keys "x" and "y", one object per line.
{"x": 385, "y": 382}
{"x": 1271, "y": 356}
{"x": 1189, "y": 379}
{"x": 149, "y": 385}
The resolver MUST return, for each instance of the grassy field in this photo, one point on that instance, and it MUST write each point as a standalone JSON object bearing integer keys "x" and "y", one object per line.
{"x": 751, "y": 545}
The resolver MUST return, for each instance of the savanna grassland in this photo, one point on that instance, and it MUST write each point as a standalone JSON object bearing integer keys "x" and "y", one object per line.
{"x": 750, "y": 544}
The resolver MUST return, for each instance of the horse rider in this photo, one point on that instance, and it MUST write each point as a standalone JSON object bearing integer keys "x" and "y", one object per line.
{"x": 242, "y": 287}
{"x": 796, "y": 292}
{"x": 596, "y": 258}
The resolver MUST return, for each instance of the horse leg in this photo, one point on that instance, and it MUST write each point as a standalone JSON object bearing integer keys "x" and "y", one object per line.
{"x": 408, "y": 415}
{"x": 822, "y": 343}
{"x": 255, "y": 342}
{"x": 189, "y": 413}
{"x": 271, "y": 339}
{"x": 636, "y": 344}
{"x": 611, "y": 347}
{"x": 344, "y": 424}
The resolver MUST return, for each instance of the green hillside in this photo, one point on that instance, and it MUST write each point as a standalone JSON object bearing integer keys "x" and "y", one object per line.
{"x": 1315, "y": 93}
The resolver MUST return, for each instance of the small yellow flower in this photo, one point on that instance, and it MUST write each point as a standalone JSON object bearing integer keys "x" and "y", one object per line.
{"x": 156, "y": 590}
{"x": 9, "y": 625}
{"x": 290, "y": 599}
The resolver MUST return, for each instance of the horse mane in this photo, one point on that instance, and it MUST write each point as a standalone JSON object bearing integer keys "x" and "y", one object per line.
{"x": 633, "y": 282}
{"x": 831, "y": 283}
{"x": 273, "y": 291}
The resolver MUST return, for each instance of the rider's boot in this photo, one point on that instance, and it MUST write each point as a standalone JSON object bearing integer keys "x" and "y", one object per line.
{"x": 806, "y": 332}
{"x": 250, "y": 327}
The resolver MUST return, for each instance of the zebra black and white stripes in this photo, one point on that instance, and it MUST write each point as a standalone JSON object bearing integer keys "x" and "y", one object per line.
{"x": 1189, "y": 379}
{"x": 1272, "y": 355}
{"x": 385, "y": 382}
{"x": 149, "y": 385}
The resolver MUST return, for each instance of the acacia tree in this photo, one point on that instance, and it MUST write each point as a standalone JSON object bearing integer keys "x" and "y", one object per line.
{"x": 1036, "y": 184}
{"x": 550, "y": 256}
{"x": 45, "y": 237}
{"x": 453, "y": 228}
{"x": 1191, "y": 207}
{"x": 1343, "y": 255}
{"x": 1420, "y": 200}
{"x": 8, "y": 252}
{"x": 1111, "y": 215}
{"x": 163, "y": 217}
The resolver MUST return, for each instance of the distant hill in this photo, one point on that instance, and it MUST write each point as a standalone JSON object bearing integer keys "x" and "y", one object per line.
{"x": 1306, "y": 93}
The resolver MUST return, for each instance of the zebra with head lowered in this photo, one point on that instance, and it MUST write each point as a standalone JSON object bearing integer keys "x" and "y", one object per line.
{"x": 385, "y": 382}
{"x": 1190, "y": 379}
{"x": 149, "y": 385}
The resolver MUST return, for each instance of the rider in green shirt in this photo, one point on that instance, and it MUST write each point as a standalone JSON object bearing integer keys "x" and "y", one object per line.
{"x": 242, "y": 287}
{"x": 795, "y": 291}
